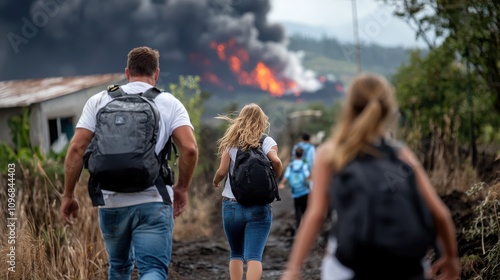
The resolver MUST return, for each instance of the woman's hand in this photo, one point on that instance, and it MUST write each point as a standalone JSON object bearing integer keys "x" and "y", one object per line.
{"x": 446, "y": 268}
{"x": 215, "y": 183}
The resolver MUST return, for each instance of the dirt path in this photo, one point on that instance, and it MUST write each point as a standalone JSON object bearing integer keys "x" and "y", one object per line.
{"x": 208, "y": 258}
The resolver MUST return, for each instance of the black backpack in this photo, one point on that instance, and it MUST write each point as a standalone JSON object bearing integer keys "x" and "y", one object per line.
{"x": 383, "y": 222}
{"x": 253, "y": 180}
{"x": 121, "y": 156}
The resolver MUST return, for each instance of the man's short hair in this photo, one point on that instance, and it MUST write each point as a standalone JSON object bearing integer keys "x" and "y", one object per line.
{"x": 306, "y": 136}
{"x": 299, "y": 152}
{"x": 143, "y": 62}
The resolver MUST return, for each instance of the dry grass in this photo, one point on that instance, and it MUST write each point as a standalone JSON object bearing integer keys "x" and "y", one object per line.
{"x": 198, "y": 219}
{"x": 46, "y": 248}
{"x": 447, "y": 163}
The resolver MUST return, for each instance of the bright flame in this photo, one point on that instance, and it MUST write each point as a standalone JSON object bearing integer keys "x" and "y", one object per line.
{"x": 260, "y": 76}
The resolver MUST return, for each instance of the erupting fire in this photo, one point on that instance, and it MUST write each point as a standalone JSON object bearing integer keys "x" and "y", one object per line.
{"x": 260, "y": 76}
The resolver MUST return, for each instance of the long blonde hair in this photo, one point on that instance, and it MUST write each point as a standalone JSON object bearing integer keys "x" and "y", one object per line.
{"x": 245, "y": 130}
{"x": 369, "y": 107}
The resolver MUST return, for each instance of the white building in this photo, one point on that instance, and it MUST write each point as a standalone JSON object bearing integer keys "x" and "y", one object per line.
{"x": 55, "y": 105}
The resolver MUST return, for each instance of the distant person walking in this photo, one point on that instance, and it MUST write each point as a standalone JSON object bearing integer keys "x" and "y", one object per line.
{"x": 126, "y": 134}
{"x": 297, "y": 176}
{"x": 309, "y": 152}
{"x": 246, "y": 227}
{"x": 361, "y": 175}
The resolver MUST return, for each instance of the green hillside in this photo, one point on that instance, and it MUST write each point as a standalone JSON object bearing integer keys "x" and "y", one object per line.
{"x": 329, "y": 56}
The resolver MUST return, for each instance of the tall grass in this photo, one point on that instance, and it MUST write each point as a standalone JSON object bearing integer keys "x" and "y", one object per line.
{"x": 46, "y": 248}
{"x": 447, "y": 162}
{"x": 475, "y": 205}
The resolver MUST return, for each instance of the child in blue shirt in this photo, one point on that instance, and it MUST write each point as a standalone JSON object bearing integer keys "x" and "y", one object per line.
{"x": 297, "y": 175}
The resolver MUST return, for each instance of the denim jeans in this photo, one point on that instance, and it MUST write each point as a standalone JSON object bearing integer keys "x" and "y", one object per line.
{"x": 140, "y": 233}
{"x": 246, "y": 229}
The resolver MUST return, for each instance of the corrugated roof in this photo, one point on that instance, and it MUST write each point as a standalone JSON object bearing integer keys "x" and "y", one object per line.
{"x": 18, "y": 93}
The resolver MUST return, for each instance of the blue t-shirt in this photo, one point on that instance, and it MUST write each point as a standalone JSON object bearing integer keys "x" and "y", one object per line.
{"x": 298, "y": 165}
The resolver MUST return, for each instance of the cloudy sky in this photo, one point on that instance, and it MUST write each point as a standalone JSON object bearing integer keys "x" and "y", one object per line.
{"x": 334, "y": 17}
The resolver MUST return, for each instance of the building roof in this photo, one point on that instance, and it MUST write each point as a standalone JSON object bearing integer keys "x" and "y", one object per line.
{"x": 19, "y": 93}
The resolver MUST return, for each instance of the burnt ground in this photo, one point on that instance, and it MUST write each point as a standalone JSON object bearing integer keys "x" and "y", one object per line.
{"x": 208, "y": 258}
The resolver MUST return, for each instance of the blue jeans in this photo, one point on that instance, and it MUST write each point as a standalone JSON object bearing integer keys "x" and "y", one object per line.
{"x": 246, "y": 229}
{"x": 141, "y": 234}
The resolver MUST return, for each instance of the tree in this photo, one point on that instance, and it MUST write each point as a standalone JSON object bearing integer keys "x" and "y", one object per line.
{"x": 432, "y": 92}
{"x": 469, "y": 27}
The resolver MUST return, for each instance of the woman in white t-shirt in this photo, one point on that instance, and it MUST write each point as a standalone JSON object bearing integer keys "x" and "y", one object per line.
{"x": 246, "y": 227}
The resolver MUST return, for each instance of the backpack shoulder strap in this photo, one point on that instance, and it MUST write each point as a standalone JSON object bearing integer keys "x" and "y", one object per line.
{"x": 115, "y": 91}
{"x": 151, "y": 93}
{"x": 391, "y": 147}
{"x": 261, "y": 141}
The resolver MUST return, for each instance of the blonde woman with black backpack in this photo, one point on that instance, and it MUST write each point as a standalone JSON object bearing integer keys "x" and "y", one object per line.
{"x": 247, "y": 220}
{"x": 374, "y": 187}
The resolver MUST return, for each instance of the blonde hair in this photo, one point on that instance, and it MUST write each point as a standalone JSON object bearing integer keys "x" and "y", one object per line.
{"x": 369, "y": 108}
{"x": 245, "y": 130}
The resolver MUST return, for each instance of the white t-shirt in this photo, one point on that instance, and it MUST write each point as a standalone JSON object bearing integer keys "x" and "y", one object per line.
{"x": 172, "y": 115}
{"x": 266, "y": 147}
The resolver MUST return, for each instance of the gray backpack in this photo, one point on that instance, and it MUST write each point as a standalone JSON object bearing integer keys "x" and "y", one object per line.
{"x": 121, "y": 156}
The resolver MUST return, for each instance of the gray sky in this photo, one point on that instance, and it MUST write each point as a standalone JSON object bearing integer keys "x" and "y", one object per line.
{"x": 334, "y": 17}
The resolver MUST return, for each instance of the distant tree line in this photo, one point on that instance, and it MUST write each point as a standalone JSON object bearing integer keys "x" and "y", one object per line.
{"x": 388, "y": 59}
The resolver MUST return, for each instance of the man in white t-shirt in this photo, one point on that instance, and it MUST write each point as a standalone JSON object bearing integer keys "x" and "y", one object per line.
{"x": 136, "y": 227}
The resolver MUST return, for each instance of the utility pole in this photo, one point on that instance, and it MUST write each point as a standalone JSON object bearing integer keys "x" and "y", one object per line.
{"x": 357, "y": 46}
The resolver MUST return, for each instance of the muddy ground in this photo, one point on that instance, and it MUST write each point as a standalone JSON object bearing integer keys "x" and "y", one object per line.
{"x": 208, "y": 258}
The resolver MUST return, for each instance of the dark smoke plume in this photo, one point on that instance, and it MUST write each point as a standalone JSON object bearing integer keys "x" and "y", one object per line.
{"x": 79, "y": 37}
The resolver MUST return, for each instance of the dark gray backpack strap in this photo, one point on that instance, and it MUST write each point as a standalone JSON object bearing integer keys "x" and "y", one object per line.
{"x": 151, "y": 93}
{"x": 261, "y": 141}
{"x": 393, "y": 147}
{"x": 166, "y": 173}
{"x": 115, "y": 91}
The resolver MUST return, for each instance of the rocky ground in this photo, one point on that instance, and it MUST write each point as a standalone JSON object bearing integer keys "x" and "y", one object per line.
{"x": 208, "y": 258}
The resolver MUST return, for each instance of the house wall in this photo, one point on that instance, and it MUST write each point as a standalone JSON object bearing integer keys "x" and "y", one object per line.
{"x": 70, "y": 105}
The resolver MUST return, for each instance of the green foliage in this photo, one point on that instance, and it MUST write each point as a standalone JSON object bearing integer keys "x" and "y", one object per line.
{"x": 471, "y": 28}
{"x": 191, "y": 96}
{"x": 20, "y": 129}
{"x": 433, "y": 90}
{"x": 188, "y": 91}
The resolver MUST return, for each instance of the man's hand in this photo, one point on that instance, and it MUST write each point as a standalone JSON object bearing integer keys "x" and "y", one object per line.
{"x": 69, "y": 208}
{"x": 180, "y": 201}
